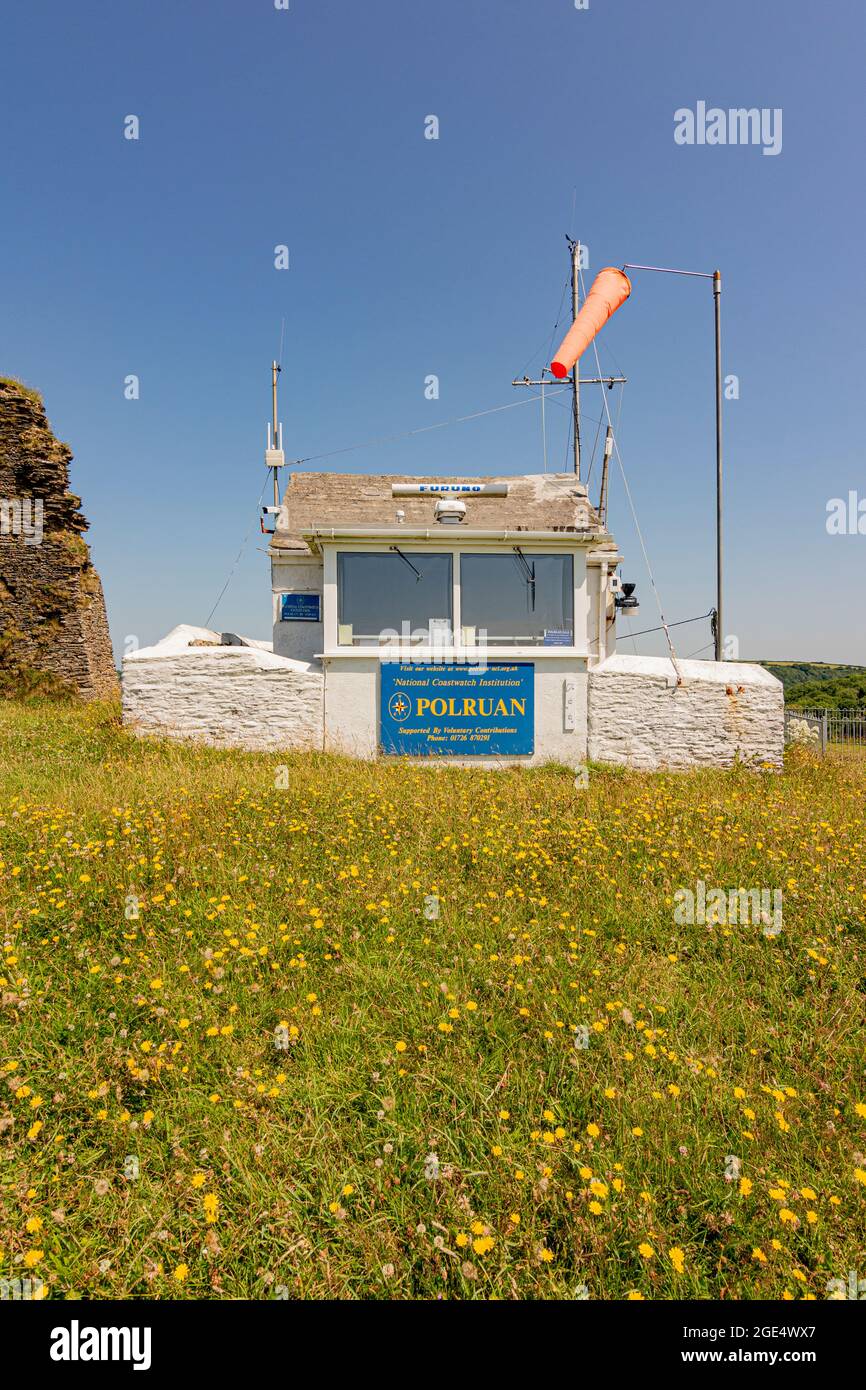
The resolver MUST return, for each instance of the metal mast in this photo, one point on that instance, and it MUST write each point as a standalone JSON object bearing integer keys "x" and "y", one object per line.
{"x": 275, "y": 371}
{"x": 716, "y": 277}
{"x": 717, "y": 301}
{"x": 575, "y": 376}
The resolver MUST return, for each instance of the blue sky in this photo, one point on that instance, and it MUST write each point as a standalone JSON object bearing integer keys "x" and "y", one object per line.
{"x": 411, "y": 257}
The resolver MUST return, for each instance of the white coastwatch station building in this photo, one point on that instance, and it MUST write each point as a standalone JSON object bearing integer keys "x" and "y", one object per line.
{"x": 464, "y": 621}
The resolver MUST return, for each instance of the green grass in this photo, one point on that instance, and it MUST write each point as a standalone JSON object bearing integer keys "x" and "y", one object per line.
{"x": 153, "y": 1036}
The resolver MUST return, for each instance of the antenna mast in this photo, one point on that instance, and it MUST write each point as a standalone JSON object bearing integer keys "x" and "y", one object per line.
{"x": 574, "y": 247}
{"x": 575, "y": 378}
{"x": 274, "y": 456}
{"x": 605, "y": 466}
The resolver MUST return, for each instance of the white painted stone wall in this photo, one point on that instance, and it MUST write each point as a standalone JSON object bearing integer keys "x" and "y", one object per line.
{"x": 627, "y": 710}
{"x": 723, "y": 711}
{"x": 227, "y": 696}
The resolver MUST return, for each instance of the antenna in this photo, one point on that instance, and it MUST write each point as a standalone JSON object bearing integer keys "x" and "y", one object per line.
{"x": 274, "y": 456}
{"x": 575, "y": 378}
{"x": 574, "y": 247}
{"x": 602, "y": 497}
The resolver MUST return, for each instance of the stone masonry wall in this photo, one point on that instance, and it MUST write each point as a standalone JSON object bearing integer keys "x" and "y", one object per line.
{"x": 53, "y": 625}
{"x": 229, "y": 697}
{"x": 722, "y": 712}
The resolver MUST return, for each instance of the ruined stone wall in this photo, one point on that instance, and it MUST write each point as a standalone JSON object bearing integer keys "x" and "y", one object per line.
{"x": 53, "y": 625}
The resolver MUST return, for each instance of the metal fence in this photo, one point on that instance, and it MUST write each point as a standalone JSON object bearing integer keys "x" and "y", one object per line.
{"x": 822, "y": 726}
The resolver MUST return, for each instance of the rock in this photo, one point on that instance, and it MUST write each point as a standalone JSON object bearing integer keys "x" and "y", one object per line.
{"x": 53, "y": 625}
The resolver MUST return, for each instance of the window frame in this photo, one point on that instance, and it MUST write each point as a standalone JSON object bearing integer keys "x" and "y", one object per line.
{"x": 530, "y": 555}
{"x": 371, "y": 644}
{"x": 457, "y": 546}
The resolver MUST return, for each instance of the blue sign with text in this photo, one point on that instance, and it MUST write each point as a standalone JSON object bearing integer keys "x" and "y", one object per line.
{"x": 301, "y": 608}
{"x": 429, "y": 710}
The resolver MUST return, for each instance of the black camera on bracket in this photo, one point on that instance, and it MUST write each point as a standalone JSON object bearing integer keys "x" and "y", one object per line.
{"x": 625, "y": 599}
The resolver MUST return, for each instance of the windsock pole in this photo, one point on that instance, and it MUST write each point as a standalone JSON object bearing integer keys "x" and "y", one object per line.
{"x": 717, "y": 300}
{"x": 575, "y": 305}
{"x": 716, "y": 277}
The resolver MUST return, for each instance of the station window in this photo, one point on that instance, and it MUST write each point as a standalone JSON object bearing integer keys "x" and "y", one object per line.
{"x": 393, "y": 593}
{"x": 520, "y": 599}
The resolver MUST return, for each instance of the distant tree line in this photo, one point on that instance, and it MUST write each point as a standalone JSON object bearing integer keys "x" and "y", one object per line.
{"x": 820, "y": 685}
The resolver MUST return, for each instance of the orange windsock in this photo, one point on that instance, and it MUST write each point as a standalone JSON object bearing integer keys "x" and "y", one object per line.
{"x": 608, "y": 291}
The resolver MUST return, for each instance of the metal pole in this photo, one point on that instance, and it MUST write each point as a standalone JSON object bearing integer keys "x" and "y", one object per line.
{"x": 716, "y": 278}
{"x": 717, "y": 301}
{"x": 575, "y": 304}
{"x": 275, "y": 368}
{"x": 602, "y": 498}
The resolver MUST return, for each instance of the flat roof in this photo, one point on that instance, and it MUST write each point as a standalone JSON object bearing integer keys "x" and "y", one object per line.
{"x": 347, "y": 503}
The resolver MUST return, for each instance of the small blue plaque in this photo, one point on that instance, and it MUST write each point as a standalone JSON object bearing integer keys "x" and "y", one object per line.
{"x": 557, "y": 637}
{"x": 300, "y": 608}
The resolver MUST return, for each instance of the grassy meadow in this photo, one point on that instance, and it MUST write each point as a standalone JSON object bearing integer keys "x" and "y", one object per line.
{"x": 308, "y": 1028}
